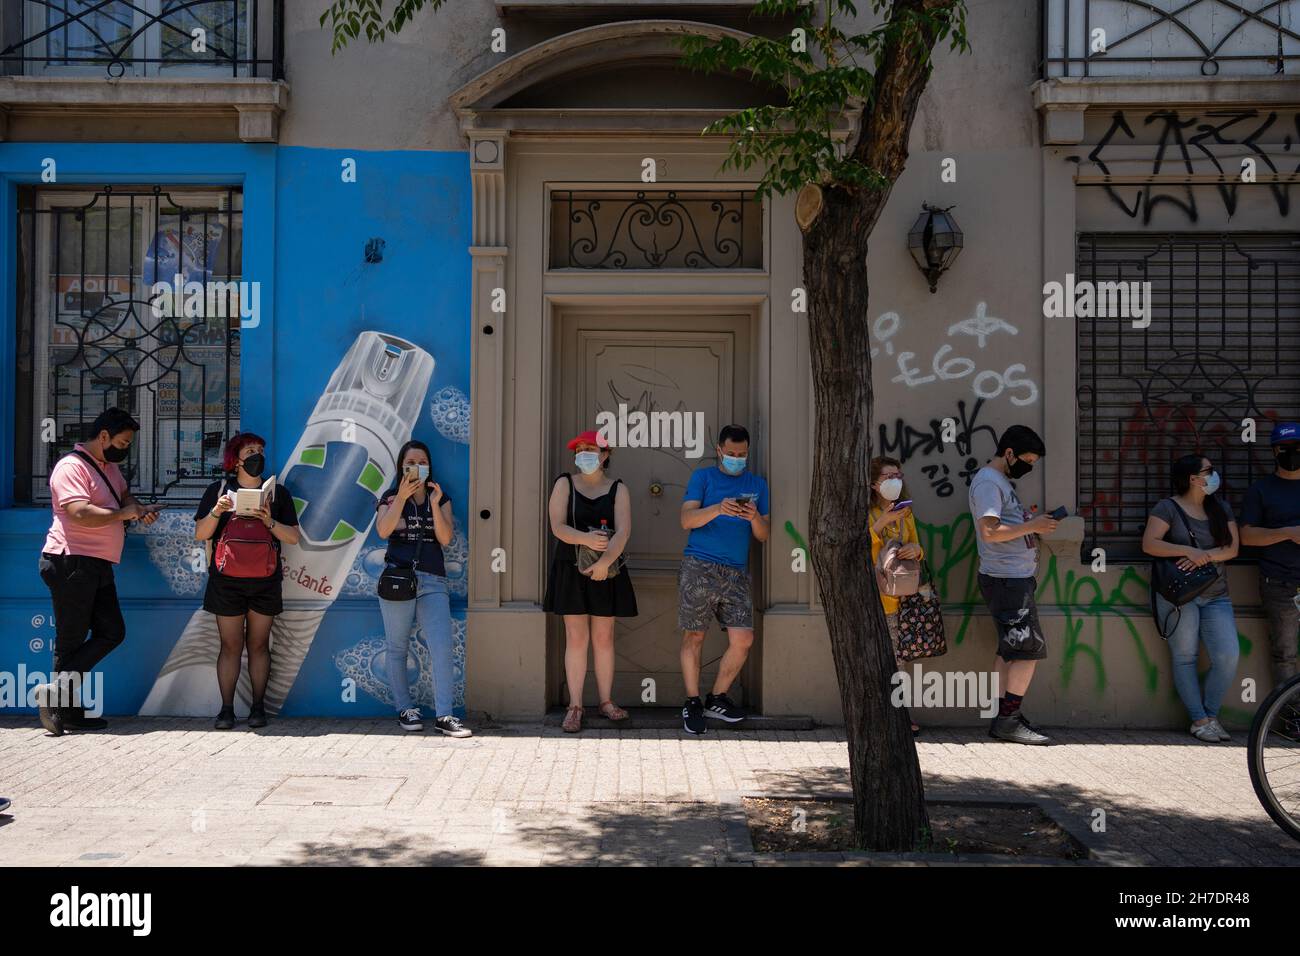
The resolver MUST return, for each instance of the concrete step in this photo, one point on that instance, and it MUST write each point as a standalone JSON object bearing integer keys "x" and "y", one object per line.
{"x": 670, "y": 718}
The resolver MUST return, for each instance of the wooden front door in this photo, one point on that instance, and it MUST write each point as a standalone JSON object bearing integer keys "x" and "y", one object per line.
{"x": 693, "y": 364}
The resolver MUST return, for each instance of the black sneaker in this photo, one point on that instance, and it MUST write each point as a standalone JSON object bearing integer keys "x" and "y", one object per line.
{"x": 411, "y": 720}
{"x": 720, "y": 707}
{"x": 74, "y": 718}
{"x": 1017, "y": 731}
{"x": 1030, "y": 724}
{"x": 47, "y": 709}
{"x": 4, "y": 804}
{"x": 693, "y": 716}
{"x": 225, "y": 719}
{"x": 452, "y": 727}
{"x": 257, "y": 716}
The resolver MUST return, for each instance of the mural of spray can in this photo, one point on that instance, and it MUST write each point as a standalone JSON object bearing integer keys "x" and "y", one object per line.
{"x": 346, "y": 457}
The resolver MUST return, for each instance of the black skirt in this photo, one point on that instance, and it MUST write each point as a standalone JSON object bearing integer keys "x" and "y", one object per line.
{"x": 569, "y": 591}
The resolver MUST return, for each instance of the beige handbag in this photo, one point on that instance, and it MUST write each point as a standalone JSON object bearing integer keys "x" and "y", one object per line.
{"x": 897, "y": 576}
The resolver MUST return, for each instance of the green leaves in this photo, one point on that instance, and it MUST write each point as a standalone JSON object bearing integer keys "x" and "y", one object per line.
{"x": 815, "y": 73}
{"x": 350, "y": 18}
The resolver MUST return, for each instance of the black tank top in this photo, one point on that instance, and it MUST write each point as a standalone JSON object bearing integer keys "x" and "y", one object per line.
{"x": 584, "y": 513}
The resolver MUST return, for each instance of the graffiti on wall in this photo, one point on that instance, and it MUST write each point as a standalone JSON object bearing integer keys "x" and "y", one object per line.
{"x": 1119, "y": 597}
{"x": 1177, "y": 151}
{"x": 947, "y": 365}
{"x": 907, "y": 441}
{"x": 1151, "y": 436}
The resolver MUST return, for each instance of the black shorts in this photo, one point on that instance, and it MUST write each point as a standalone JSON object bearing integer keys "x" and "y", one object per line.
{"x": 235, "y": 597}
{"x": 1015, "y": 614}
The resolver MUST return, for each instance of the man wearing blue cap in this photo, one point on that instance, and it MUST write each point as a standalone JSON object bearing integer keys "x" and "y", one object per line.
{"x": 1270, "y": 521}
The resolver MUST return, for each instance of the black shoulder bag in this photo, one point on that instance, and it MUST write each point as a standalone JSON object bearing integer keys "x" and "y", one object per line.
{"x": 399, "y": 583}
{"x": 1175, "y": 585}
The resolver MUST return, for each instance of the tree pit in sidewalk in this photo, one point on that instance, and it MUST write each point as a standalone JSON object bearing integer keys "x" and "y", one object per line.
{"x": 807, "y": 824}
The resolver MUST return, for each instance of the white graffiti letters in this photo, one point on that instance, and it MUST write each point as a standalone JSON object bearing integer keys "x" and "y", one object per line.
{"x": 947, "y": 366}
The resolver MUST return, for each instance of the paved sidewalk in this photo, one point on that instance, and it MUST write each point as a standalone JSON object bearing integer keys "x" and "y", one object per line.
{"x": 173, "y": 791}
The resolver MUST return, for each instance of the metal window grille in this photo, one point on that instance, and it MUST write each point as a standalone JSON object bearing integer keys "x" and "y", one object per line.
{"x": 142, "y": 37}
{"x": 1223, "y": 347}
{"x": 93, "y": 332}
{"x": 1168, "y": 36}
{"x": 656, "y": 229}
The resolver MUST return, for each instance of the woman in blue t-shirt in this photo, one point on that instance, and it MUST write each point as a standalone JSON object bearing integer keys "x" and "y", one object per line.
{"x": 416, "y": 531}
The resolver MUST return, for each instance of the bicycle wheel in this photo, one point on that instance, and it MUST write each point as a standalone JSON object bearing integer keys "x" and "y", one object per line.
{"x": 1273, "y": 754}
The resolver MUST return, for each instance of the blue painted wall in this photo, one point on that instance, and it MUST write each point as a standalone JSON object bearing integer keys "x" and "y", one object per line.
{"x": 304, "y": 235}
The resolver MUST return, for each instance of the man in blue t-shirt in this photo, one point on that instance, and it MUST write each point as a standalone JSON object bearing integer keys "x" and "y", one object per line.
{"x": 1270, "y": 521}
{"x": 723, "y": 507}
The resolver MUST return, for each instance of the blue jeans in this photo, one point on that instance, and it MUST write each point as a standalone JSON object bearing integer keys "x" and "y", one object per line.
{"x": 1209, "y": 620}
{"x": 433, "y": 608}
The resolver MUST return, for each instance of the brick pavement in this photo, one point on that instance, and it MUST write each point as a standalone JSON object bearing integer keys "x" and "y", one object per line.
{"x": 172, "y": 791}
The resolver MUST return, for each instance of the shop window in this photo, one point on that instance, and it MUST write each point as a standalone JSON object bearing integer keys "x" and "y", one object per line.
{"x": 96, "y": 330}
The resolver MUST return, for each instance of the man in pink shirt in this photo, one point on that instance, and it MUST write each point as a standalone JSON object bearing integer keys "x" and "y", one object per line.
{"x": 91, "y": 506}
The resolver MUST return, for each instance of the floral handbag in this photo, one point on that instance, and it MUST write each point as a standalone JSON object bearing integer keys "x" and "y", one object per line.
{"x": 920, "y": 623}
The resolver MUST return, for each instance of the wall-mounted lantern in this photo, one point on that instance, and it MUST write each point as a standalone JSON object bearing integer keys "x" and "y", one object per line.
{"x": 934, "y": 242}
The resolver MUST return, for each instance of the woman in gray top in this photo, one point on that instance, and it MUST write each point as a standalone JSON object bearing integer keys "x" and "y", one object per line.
{"x": 1197, "y": 528}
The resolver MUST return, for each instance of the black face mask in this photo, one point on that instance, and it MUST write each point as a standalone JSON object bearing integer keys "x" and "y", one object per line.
{"x": 1019, "y": 468}
{"x": 114, "y": 454}
{"x": 1288, "y": 458}
{"x": 253, "y": 465}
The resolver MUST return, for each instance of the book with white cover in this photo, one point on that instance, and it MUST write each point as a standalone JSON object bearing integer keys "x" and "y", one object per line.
{"x": 249, "y": 501}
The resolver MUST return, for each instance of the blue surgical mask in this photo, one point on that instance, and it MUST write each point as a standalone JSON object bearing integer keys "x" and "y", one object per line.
{"x": 587, "y": 461}
{"x": 424, "y": 472}
{"x": 1212, "y": 483}
{"x": 733, "y": 465}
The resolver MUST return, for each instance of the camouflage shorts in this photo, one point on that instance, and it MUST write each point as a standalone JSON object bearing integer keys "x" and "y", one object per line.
{"x": 708, "y": 591}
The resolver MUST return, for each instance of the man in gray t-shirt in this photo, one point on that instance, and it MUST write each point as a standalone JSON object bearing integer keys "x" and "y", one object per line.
{"x": 991, "y": 495}
{"x": 1006, "y": 538}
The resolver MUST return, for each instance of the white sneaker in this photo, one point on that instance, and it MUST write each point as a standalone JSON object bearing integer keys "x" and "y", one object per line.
{"x": 1219, "y": 729}
{"x": 1205, "y": 732}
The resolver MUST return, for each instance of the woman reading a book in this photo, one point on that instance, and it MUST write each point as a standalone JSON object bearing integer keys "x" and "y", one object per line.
{"x": 246, "y": 519}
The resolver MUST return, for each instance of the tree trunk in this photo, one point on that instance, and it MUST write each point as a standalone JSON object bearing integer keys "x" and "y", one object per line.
{"x": 888, "y": 796}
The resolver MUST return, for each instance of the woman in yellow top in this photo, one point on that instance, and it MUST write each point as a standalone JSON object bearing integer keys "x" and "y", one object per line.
{"x": 888, "y": 523}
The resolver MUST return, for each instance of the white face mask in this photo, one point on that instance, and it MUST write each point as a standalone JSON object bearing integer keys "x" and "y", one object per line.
{"x": 891, "y": 488}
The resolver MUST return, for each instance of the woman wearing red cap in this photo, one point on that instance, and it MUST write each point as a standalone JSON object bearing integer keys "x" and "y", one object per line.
{"x": 591, "y": 518}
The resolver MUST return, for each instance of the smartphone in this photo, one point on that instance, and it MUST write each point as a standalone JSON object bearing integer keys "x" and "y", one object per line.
{"x": 748, "y": 498}
{"x": 1060, "y": 513}
{"x": 899, "y": 505}
{"x": 411, "y": 471}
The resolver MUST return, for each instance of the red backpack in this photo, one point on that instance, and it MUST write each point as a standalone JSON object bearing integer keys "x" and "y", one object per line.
{"x": 246, "y": 549}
